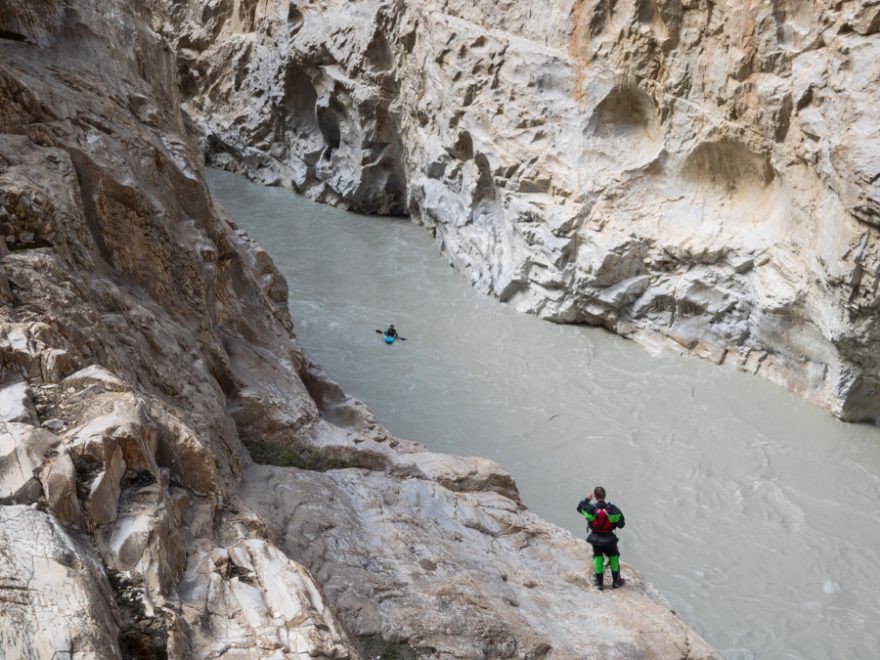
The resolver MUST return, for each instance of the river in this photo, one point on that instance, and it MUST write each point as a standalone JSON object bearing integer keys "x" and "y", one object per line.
{"x": 754, "y": 513}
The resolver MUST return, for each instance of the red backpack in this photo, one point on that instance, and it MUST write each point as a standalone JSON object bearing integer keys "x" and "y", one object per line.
{"x": 601, "y": 523}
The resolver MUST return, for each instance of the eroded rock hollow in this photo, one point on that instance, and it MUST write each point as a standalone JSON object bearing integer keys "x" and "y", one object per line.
{"x": 701, "y": 174}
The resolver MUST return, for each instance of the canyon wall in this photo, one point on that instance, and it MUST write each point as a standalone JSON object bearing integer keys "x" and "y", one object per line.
{"x": 695, "y": 174}
{"x": 147, "y": 359}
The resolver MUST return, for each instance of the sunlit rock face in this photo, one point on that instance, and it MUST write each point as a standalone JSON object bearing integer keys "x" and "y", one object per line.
{"x": 700, "y": 174}
{"x": 147, "y": 359}
{"x": 58, "y": 598}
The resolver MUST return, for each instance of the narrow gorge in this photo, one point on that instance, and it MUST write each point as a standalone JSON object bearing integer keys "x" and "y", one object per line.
{"x": 700, "y": 174}
{"x": 180, "y": 479}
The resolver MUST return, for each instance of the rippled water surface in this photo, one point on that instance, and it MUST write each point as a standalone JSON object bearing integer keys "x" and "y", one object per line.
{"x": 757, "y": 515}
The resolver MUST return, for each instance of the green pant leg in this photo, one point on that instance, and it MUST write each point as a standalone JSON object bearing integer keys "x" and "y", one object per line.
{"x": 615, "y": 563}
{"x": 599, "y": 564}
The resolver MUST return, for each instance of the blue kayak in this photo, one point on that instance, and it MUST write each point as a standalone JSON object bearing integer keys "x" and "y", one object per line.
{"x": 388, "y": 340}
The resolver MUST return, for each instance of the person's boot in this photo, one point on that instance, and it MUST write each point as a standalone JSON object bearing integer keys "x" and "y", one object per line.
{"x": 600, "y": 581}
{"x": 616, "y": 580}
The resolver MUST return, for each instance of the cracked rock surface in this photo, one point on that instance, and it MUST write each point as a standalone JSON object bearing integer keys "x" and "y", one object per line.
{"x": 147, "y": 359}
{"x": 702, "y": 175}
{"x": 465, "y": 574}
{"x": 54, "y": 596}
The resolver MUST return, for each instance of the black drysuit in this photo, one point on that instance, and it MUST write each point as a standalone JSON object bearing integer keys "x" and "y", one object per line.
{"x": 602, "y": 519}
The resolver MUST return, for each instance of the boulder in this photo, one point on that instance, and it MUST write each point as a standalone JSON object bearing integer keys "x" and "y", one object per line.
{"x": 95, "y": 375}
{"x": 23, "y": 452}
{"x": 59, "y": 486}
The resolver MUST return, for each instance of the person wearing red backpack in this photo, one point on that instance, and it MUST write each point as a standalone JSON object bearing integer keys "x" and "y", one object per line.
{"x": 602, "y": 519}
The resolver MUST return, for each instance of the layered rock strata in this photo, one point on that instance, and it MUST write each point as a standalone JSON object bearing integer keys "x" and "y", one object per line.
{"x": 146, "y": 354}
{"x": 704, "y": 174}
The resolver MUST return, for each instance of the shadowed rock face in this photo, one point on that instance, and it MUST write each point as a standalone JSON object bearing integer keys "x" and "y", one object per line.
{"x": 146, "y": 354}
{"x": 704, "y": 175}
{"x": 282, "y": 107}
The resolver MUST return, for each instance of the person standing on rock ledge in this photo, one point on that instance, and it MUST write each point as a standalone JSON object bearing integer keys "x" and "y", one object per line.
{"x": 602, "y": 519}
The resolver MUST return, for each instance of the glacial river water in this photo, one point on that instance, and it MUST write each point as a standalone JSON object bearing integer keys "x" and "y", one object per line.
{"x": 754, "y": 513}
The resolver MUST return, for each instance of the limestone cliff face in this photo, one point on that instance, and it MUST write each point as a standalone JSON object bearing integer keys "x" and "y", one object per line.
{"x": 699, "y": 172}
{"x": 146, "y": 355}
{"x": 141, "y": 340}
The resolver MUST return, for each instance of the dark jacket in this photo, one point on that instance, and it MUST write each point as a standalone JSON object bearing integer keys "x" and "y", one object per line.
{"x": 588, "y": 510}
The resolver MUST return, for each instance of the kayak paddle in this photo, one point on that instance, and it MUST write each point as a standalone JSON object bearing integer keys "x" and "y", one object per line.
{"x": 382, "y": 332}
